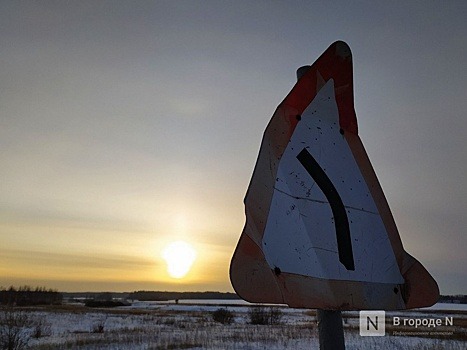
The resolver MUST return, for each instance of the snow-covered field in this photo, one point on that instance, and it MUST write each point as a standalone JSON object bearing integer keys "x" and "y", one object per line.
{"x": 190, "y": 325}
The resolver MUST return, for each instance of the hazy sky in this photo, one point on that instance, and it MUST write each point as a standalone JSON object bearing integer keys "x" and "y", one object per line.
{"x": 127, "y": 125}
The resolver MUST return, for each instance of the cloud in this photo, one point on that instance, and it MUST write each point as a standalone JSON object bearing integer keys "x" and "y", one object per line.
{"x": 116, "y": 117}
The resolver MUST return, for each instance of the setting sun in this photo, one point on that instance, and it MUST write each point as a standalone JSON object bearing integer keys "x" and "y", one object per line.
{"x": 179, "y": 257}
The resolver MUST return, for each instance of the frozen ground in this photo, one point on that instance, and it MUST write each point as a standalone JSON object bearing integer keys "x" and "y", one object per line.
{"x": 189, "y": 325}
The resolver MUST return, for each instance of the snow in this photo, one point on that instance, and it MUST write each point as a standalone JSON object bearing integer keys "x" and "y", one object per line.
{"x": 447, "y": 306}
{"x": 189, "y": 325}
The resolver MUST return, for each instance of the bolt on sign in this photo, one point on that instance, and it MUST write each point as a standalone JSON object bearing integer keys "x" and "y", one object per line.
{"x": 319, "y": 232}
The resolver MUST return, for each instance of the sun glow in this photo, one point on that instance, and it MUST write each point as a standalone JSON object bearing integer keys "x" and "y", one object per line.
{"x": 179, "y": 257}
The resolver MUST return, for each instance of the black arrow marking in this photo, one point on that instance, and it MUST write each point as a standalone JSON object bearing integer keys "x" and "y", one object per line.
{"x": 341, "y": 221}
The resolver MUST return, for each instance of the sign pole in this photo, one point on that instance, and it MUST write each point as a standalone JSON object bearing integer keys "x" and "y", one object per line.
{"x": 330, "y": 330}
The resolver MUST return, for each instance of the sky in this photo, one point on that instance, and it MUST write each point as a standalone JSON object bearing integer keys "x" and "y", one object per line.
{"x": 125, "y": 126}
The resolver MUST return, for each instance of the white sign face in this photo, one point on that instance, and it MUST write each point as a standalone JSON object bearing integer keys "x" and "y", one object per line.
{"x": 323, "y": 221}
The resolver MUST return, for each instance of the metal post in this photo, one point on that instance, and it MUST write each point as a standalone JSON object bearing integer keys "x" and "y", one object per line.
{"x": 301, "y": 71}
{"x": 330, "y": 329}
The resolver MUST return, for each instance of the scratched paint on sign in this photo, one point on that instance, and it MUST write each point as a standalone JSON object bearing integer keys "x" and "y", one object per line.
{"x": 300, "y": 236}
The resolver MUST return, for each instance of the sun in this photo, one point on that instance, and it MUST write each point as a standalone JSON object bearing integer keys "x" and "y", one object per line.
{"x": 179, "y": 257}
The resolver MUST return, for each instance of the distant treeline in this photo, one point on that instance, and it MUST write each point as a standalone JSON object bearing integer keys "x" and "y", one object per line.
{"x": 94, "y": 295}
{"x": 163, "y": 296}
{"x": 104, "y": 303}
{"x": 27, "y": 296}
{"x": 458, "y": 299}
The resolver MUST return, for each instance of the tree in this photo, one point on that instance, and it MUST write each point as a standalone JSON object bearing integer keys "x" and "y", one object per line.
{"x": 223, "y": 316}
{"x": 14, "y": 328}
{"x": 265, "y": 316}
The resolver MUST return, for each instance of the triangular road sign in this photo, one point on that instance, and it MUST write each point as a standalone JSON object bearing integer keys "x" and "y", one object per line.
{"x": 319, "y": 232}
